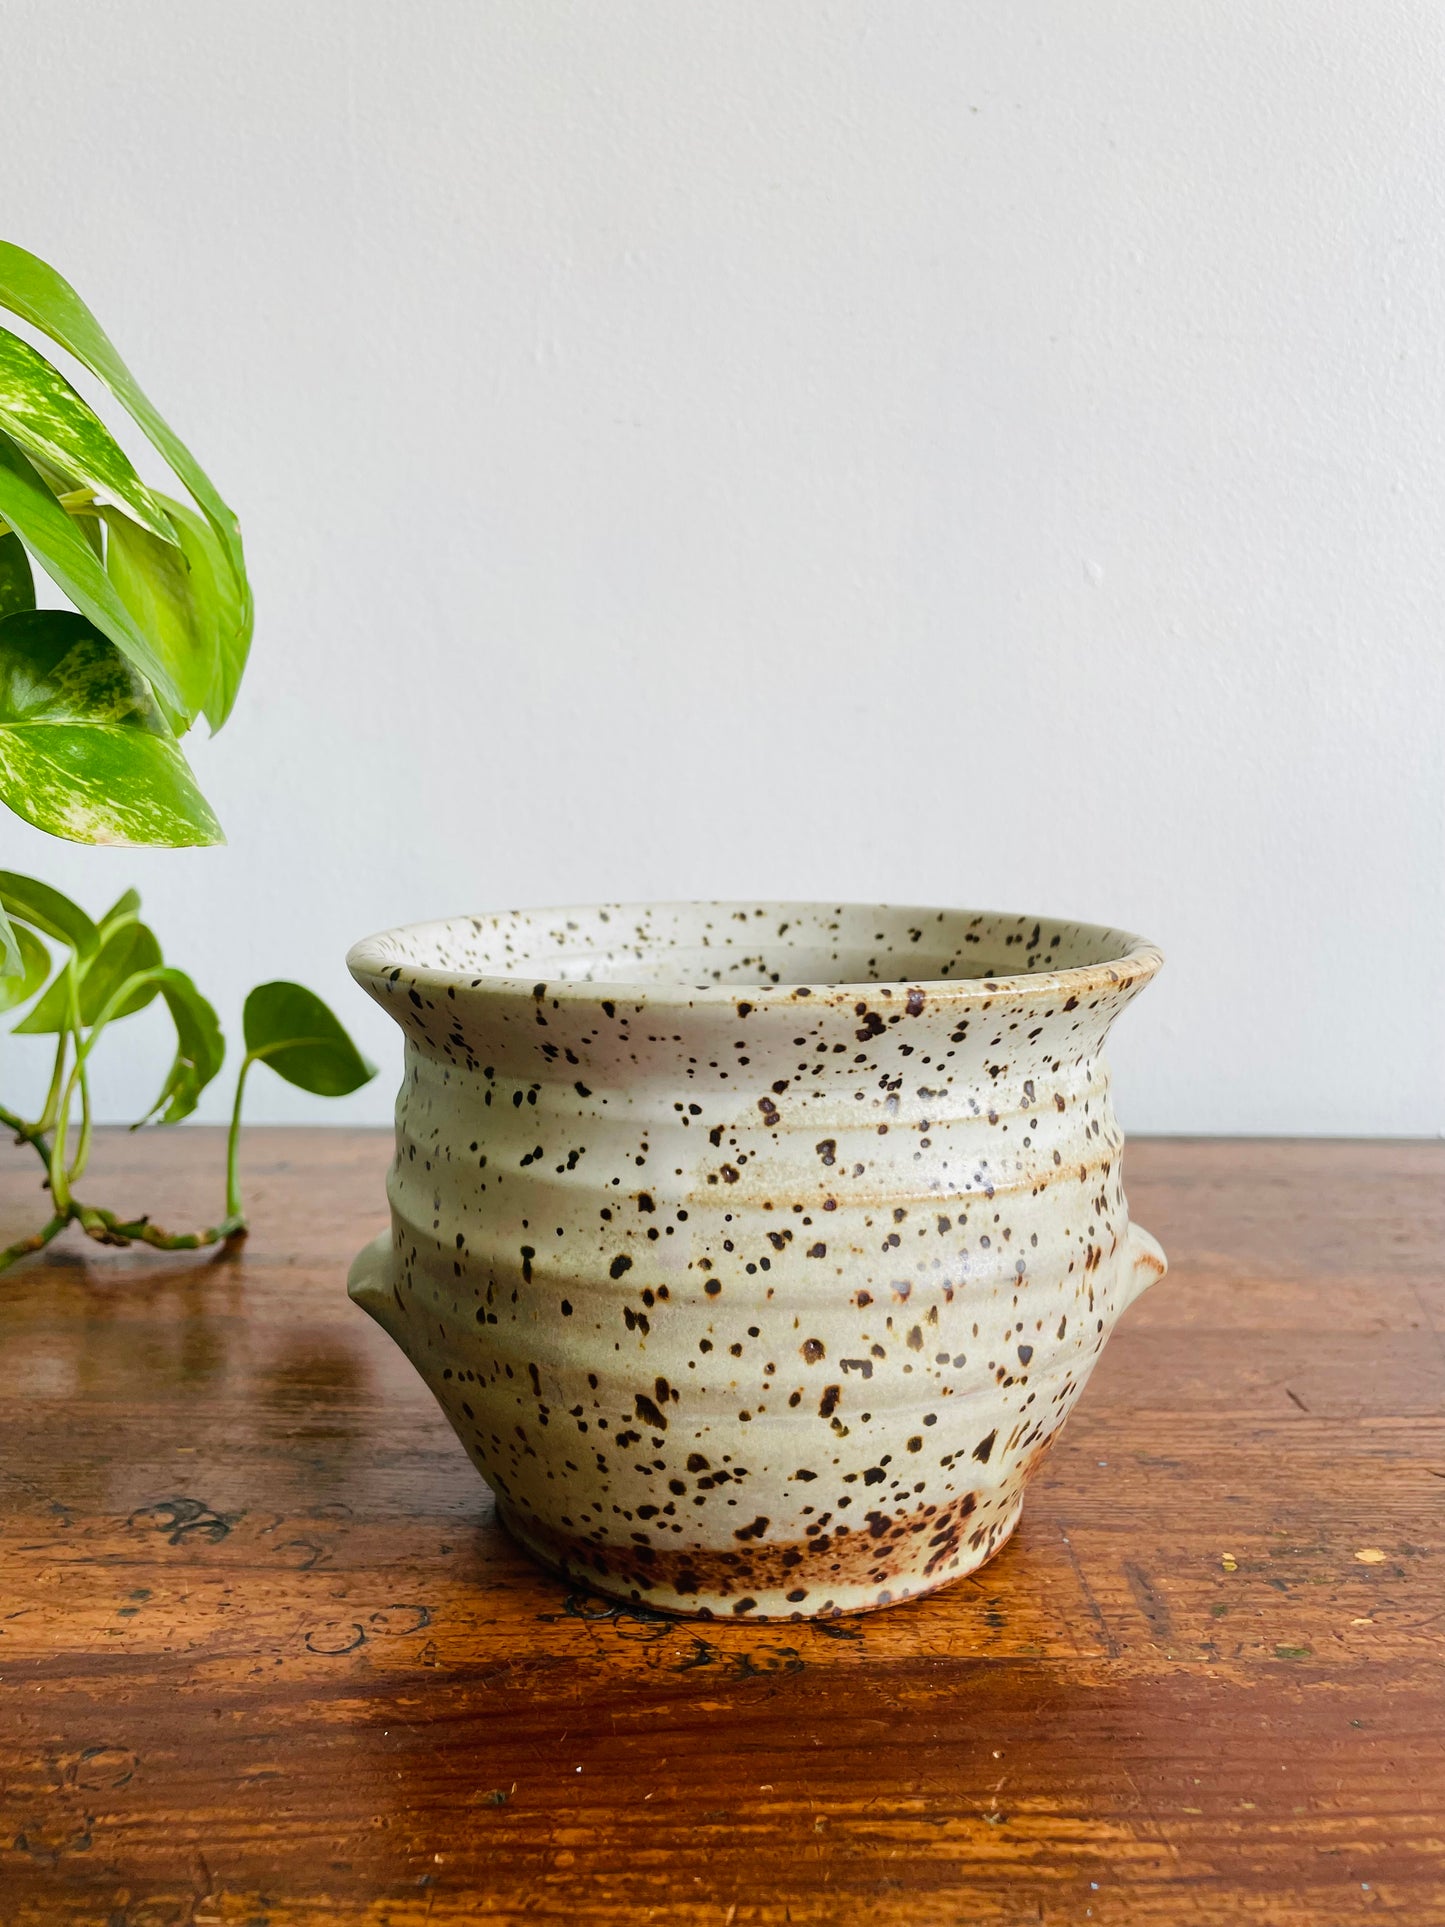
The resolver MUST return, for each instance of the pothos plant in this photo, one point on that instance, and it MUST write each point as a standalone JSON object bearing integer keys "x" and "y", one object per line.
{"x": 93, "y": 703}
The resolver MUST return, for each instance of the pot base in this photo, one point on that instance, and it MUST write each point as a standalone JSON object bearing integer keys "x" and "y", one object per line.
{"x": 766, "y": 1603}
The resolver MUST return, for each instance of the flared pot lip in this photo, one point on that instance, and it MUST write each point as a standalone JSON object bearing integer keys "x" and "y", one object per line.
{"x": 379, "y": 962}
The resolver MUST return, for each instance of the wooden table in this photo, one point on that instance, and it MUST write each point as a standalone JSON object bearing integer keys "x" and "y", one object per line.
{"x": 266, "y": 1659}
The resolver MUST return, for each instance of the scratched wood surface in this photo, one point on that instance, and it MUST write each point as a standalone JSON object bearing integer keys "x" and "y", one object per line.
{"x": 266, "y": 1659}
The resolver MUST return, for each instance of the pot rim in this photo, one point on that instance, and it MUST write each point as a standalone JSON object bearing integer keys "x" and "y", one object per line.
{"x": 373, "y": 963}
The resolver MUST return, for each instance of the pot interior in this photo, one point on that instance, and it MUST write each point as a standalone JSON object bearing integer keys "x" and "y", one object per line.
{"x": 704, "y": 946}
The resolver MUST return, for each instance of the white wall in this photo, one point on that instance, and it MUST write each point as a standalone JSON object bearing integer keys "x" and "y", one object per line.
{"x": 936, "y": 451}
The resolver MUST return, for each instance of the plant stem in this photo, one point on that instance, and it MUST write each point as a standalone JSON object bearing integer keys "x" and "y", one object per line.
{"x": 82, "y": 1149}
{"x": 84, "y": 1045}
{"x": 59, "y": 1185}
{"x": 32, "y": 1134}
{"x": 23, "y": 1247}
{"x": 233, "y": 1144}
{"x": 52, "y": 1097}
{"x": 107, "y": 1227}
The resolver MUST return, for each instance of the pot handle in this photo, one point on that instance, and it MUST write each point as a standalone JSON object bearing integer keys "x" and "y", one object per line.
{"x": 1145, "y": 1263}
{"x": 368, "y": 1283}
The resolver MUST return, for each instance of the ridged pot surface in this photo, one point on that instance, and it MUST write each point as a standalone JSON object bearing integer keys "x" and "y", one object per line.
{"x": 756, "y": 1252}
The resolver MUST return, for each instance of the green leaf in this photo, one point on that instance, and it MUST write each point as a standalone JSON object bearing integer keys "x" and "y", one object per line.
{"x": 86, "y": 525}
{"x": 200, "y": 1048}
{"x": 29, "y": 901}
{"x": 125, "y": 909}
{"x": 84, "y": 751}
{"x": 289, "y": 1028}
{"x": 52, "y": 1014}
{"x": 20, "y": 986}
{"x": 185, "y": 599}
{"x": 32, "y": 289}
{"x": 41, "y": 411}
{"x": 12, "y": 964}
{"x": 125, "y": 952}
{"x": 154, "y": 581}
{"x": 17, "y": 584}
{"x": 65, "y": 555}
{"x": 221, "y": 606}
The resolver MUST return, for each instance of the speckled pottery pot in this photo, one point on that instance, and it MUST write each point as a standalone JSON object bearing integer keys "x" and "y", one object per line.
{"x": 756, "y": 1253}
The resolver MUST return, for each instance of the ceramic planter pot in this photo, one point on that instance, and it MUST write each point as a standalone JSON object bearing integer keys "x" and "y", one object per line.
{"x": 756, "y": 1253}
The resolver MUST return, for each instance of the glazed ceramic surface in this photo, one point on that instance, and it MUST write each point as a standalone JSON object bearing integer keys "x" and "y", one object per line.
{"x": 756, "y": 1252}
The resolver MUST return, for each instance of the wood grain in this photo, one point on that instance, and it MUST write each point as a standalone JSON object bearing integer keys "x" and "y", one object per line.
{"x": 266, "y": 1659}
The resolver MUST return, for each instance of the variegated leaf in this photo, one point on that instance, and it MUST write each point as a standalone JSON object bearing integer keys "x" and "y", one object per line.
{"x": 154, "y": 581}
{"x": 52, "y": 538}
{"x": 17, "y": 584}
{"x": 31, "y": 288}
{"x": 84, "y": 751}
{"x": 42, "y": 412}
